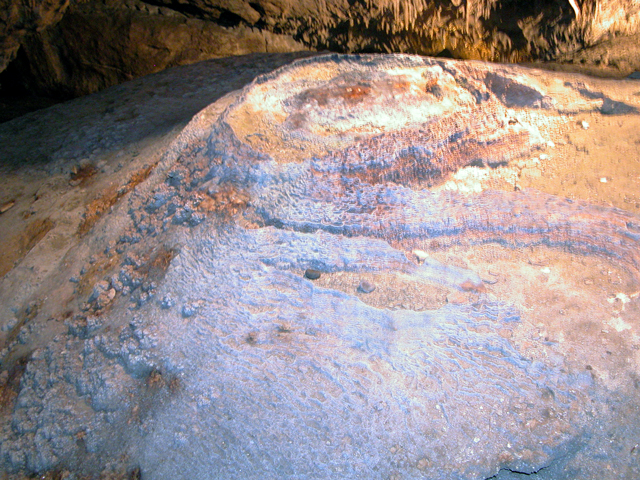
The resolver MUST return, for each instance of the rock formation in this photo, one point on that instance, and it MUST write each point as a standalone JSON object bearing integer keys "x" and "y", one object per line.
{"x": 67, "y": 49}
{"x": 208, "y": 317}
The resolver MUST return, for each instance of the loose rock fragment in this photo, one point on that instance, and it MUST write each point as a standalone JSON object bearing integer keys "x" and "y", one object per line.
{"x": 312, "y": 274}
{"x": 7, "y": 206}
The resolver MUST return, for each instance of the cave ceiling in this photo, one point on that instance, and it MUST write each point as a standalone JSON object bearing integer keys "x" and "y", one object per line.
{"x": 66, "y": 48}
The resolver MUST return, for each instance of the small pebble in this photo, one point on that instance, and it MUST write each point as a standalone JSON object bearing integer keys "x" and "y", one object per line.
{"x": 603, "y": 180}
{"x": 550, "y": 144}
{"x": 366, "y": 287}
{"x": 544, "y": 156}
{"x": 584, "y": 124}
{"x": 312, "y": 274}
{"x": 7, "y": 206}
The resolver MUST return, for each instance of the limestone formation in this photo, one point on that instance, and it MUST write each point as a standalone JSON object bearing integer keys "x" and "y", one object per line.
{"x": 222, "y": 330}
{"x": 65, "y": 49}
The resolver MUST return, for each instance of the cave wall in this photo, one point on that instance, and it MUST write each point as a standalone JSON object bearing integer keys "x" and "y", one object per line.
{"x": 18, "y": 18}
{"x": 67, "y": 48}
{"x": 96, "y": 45}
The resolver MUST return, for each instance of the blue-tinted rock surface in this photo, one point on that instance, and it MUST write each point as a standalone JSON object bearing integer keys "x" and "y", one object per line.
{"x": 214, "y": 357}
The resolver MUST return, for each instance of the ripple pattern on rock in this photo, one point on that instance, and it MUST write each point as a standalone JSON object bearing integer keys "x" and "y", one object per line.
{"x": 234, "y": 365}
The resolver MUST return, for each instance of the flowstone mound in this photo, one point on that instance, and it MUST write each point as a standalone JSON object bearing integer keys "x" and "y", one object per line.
{"x": 209, "y": 353}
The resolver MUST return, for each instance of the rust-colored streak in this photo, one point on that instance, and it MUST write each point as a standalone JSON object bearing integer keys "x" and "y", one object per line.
{"x": 415, "y": 159}
{"x": 96, "y": 272}
{"x": 109, "y": 197}
{"x": 20, "y": 244}
{"x": 354, "y": 94}
{"x": 325, "y": 97}
{"x": 322, "y": 97}
{"x": 97, "y": 207}
{"x": 140, "y": 176}
{"x": 157, "y": 264}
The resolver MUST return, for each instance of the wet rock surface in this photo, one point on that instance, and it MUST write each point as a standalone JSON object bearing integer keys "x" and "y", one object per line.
{"x": 223, "y": 324}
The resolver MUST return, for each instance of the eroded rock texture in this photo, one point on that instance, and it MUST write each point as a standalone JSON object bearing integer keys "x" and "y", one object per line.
{"x": 100, "y": 43}
{"x": 22, "y": 17}
{"x": 207, "y": 353}
{"x": 97, "y": 45}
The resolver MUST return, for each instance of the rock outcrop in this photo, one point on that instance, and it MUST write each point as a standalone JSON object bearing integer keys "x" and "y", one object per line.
{"x": 19, "y": 18}
{"x": 99, "y": 45}
{"x": 208, "y": 316}
{"x": 68, "y": 49}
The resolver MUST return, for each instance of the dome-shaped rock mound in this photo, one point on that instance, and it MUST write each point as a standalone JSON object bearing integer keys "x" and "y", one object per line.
{"x": 211, "y": 352}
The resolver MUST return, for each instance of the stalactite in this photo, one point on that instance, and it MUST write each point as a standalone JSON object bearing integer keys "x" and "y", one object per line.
{"x": 575, "y": 7}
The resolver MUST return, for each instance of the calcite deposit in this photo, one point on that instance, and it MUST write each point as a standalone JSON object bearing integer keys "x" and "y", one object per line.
{"x": 199, "y": 346}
